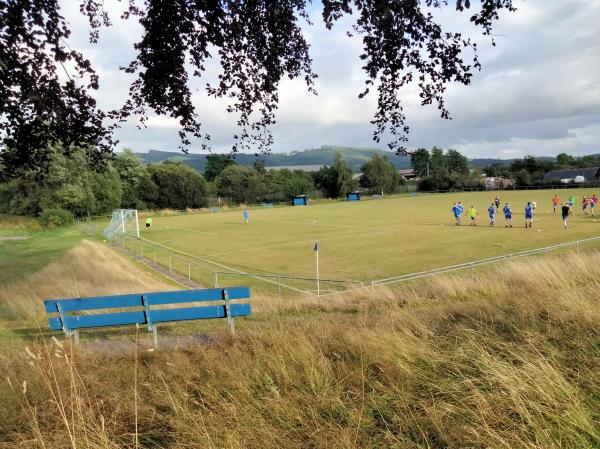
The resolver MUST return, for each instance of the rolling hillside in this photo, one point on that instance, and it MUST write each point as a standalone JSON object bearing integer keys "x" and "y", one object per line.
{"x": 355, "y": 157}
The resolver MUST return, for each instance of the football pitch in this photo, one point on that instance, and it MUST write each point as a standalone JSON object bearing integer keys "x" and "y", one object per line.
{"x": 368, "y": 239}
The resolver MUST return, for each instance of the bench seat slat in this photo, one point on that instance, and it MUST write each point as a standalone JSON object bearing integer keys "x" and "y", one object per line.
{"x": 104, "y": 319}
{"x": 98, "y": 302}
{"x": 198, "y": 313}
{"x": 212, "y": 294}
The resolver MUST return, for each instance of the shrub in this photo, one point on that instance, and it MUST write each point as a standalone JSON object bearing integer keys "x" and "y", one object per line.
{"x": 55, "y": 217}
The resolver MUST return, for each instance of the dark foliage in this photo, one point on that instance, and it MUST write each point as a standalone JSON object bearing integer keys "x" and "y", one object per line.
{"x": 257, "y": 42}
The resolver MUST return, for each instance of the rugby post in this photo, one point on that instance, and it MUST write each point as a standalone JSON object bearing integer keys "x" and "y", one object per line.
{"x": 317, "y": 253}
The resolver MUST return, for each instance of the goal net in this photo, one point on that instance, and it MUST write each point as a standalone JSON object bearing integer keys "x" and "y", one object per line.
{"x": 124, "y": 222}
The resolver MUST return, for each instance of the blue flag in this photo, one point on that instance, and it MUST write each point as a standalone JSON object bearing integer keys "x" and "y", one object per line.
{"x": 317, "y": 246}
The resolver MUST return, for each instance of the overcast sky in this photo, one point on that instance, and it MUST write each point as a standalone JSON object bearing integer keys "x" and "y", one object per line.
{"x": 538, "y": 92}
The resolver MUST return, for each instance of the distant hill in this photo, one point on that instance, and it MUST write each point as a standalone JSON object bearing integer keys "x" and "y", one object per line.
{"x": 486, "y": 162}
{"x": 355, "y": 157}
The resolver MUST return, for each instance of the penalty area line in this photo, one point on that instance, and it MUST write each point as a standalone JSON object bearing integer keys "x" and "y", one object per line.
{"x": 193, "y": 230}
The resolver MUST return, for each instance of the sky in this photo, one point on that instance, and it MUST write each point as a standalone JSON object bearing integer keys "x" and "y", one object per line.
{"x": 538, "y": 92}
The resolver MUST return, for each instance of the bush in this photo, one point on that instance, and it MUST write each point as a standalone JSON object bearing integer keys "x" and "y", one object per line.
{"x": 55, "y": 217}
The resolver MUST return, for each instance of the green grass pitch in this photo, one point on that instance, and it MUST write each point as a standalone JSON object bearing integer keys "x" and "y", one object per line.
{"x": 369, "y": 239}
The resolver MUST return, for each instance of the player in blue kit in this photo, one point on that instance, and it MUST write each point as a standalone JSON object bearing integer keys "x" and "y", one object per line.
{"x": 508, "y": 215}
{"x": 529, "y": 215}
{"x": 457, "y": 211}
{"x": 492, "y": 212}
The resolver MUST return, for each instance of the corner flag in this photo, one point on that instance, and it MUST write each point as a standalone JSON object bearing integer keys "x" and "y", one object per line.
{"x": 316, "y": 249}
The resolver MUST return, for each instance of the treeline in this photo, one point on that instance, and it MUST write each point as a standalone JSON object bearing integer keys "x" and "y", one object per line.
{"x": 73, "y": 185}
{"x": 531, "y": 170}
{"x": 443, "y": 170}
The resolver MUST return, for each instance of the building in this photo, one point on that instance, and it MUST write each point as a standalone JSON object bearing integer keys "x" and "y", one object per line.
{"x": 306, "y": 168}
{"x": 407, "y": 173}
{"x": 573, "y": 175}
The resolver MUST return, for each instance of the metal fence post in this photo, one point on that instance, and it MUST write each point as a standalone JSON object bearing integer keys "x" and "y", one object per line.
{"x": 426, "y": 278}
{"x": 216, "y": 279}
{"x": 189, "y": 271}
{"x": 577, "y": 246}
{"x": 142, "y": 250}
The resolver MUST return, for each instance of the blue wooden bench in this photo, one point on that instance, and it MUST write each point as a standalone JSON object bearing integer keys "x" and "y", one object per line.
{"x": 72, "y": 314}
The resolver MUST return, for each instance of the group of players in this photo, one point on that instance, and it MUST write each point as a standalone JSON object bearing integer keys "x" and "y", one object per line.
{"x": 566, "y": 209}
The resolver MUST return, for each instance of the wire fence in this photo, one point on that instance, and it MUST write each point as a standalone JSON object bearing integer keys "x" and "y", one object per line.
{"x": 210, "y": 273}
{"x": 576, "y": 245}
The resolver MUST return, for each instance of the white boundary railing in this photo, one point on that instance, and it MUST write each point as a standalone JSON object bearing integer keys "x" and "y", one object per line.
{"x": 147, "y": 251}
{"x": 478, "y": 263}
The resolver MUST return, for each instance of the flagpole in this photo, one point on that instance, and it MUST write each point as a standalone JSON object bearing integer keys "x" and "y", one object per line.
{"x": 318, "y": 284}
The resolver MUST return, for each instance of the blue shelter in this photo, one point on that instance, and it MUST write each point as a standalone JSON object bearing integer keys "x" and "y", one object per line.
{"x": 300, "y": 200}
{"x": 353, "y": 196}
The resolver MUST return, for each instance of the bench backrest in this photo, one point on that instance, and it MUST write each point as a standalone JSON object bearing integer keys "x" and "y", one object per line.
{"x": 146, "y": 308}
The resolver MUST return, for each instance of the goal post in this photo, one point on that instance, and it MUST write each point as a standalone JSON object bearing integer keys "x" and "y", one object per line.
{"x": 124, "y": 222}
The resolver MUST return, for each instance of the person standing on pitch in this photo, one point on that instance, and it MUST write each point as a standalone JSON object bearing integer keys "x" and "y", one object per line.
{"x": 472, "y": 214}
{"x": 585, "y": 204}
{"x": 508, "y": 215}
{"x": 456, "y": 210}
{"x": 148, "y": 223}
{"x": 593, "y": 202}
{"x": 528, "y": 215}
{"x": 566, "y": 209}
{"x": 492, "y": 212}
{"x": 497, "y": 202}
{"x": 246, "y": 216}
{"x": 571, "y": 202}
{"x": 555, "y": 202}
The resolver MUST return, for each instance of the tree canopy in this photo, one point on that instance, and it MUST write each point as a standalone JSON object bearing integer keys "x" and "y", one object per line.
{"x": 47, "y": 88}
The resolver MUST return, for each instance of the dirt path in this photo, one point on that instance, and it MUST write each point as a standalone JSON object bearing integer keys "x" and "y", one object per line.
{"x": 182, "y": 280}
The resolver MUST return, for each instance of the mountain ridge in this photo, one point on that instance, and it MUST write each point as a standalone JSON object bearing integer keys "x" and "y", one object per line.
{"x": 355, "y": 157}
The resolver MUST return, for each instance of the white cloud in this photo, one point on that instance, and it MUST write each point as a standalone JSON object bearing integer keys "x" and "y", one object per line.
{"x": 538, "y": 92}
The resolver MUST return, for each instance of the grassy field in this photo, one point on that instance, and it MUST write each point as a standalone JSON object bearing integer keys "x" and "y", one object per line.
{"x": 368, "y": 239}
{"x": 35, "y": 250}
{"x": 509, "y": 359}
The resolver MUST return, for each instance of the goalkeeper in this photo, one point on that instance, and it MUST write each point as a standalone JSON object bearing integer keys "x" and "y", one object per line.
{"x": 148, "y": 223}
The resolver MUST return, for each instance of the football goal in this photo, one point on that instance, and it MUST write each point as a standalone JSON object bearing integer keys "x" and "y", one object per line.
{"x": 124, "y": 222}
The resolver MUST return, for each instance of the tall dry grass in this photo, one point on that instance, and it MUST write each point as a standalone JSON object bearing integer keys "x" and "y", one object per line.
{"x": 90, "y": 269}
{"x": 510, "y": 359}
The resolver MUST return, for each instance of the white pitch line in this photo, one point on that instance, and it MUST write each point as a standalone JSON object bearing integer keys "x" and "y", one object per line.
{"x": 193, "y": 230}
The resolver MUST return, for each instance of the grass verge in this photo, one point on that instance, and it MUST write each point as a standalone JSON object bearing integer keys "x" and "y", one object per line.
{"x": 509, "y": 359}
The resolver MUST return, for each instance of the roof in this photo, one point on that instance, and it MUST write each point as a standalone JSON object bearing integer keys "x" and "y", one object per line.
{"x": 572, "y": 173}
{"x": 308, "y": 168}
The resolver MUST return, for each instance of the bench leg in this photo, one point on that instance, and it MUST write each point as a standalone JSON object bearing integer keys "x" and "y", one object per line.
{"x": 154, "y": 336}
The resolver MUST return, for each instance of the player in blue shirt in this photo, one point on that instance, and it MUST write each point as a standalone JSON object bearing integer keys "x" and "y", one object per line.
{"x": 529, "y": 215}
{"x": 246, "y": 216}
{"x": 492, "y": 212}
{"x": 508, "y": 215}
{"x": 457, "y": 211}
